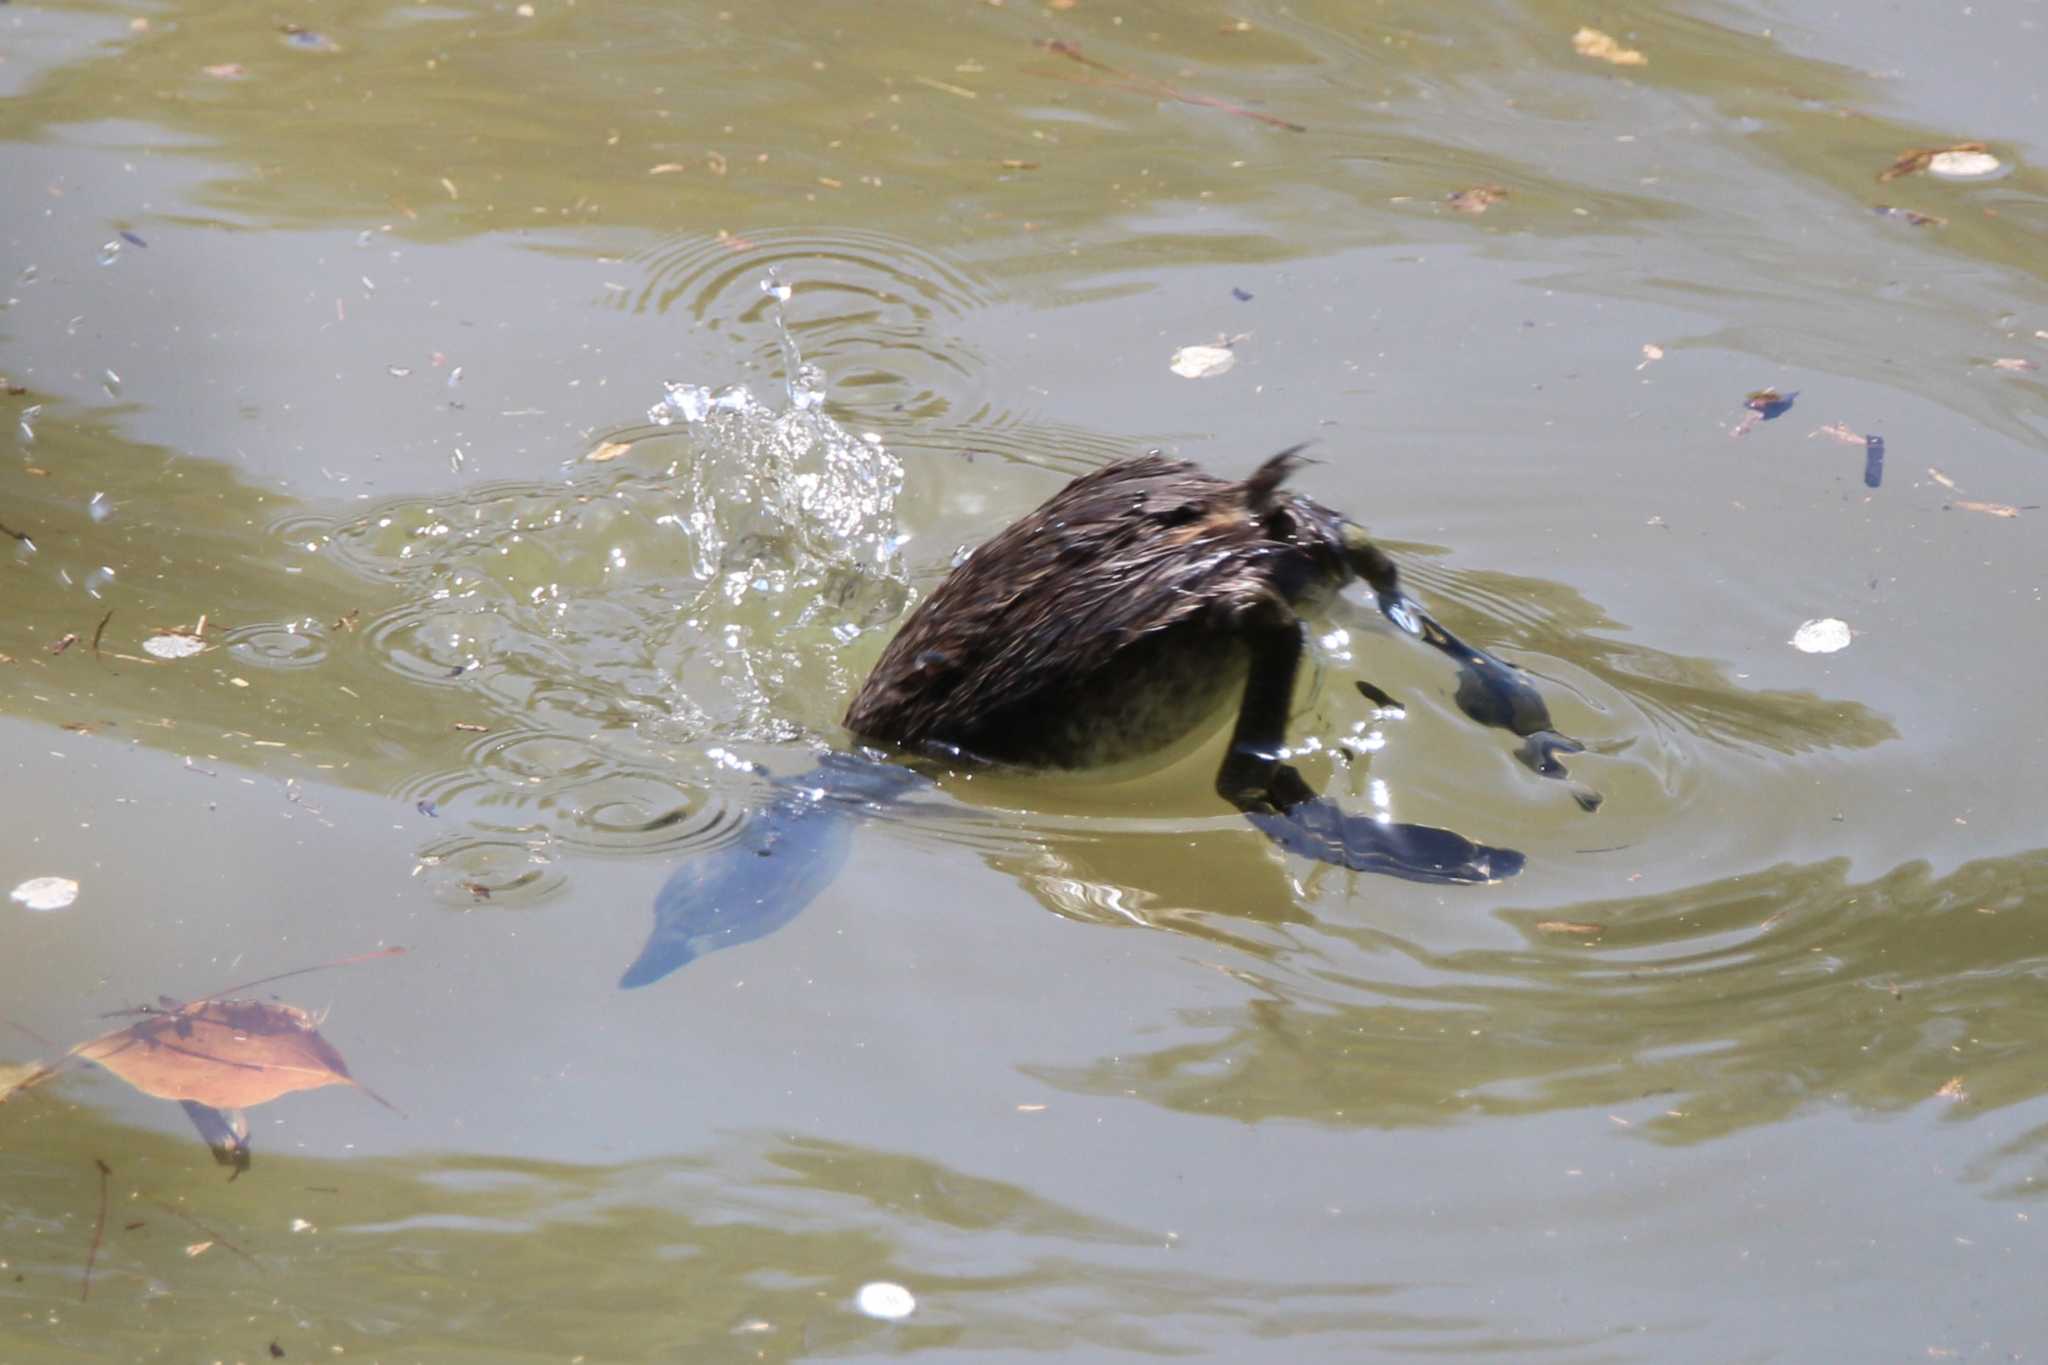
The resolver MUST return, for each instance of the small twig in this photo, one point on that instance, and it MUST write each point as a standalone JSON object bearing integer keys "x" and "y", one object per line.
{"x": 99, "y": 631}
{"x": 99, "y": 1230}
{"x": 1146, "y": 83}
{"x": 22, "y": 536}
{"x": 211, "y": 1235}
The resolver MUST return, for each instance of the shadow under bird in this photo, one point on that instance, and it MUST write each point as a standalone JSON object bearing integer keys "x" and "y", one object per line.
{"x": 1116, "y": 620}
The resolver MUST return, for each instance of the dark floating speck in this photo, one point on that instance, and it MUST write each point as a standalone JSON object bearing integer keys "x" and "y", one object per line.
{"x": 1241, "y": 295}
{"x": 428, "y": 809}
{"x": 1873, "y": 461}
{"x": 131, "y": 237}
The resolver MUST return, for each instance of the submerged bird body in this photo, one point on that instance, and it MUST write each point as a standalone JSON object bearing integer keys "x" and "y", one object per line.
{"x": 1106, "y": 624}
{"x": 1113, "y": 622}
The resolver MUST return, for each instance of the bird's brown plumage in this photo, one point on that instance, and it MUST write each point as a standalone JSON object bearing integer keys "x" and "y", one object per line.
{"x": 1105, "y": 623}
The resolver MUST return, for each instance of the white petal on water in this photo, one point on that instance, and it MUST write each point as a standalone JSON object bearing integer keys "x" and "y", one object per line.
{"x": 1824, "y": 636}
{"x": 881, "y": 1299}
{"x": 1202, "y": 362}
{"x": 47, "y": 893}
{"x": 1963, "y": 165}
{"x": 174, "y": 646}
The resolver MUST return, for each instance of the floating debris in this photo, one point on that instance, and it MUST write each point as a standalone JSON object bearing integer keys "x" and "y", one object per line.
{"x": 1961, "y": 164}
{"x": 1591, "y": 42}
{"x": 1764, "y": 405}
{"x": 1478, "y": 199}
{"x": 1146, "y": 85}
{"x": 2014, "y": 363}
{"x": 46, "y": 893}
{"x": 1908, "y": 216}
{"x": 1963, "y": 160}
{"x": 609, "y": 450}
{"x": 889, "y": 1302}
{"x": 174, "y": 646}
{"x": 1577, "y": 928}
{"x": 1202, "y": 362}
{"x": 1873, "y": 461}
{"x": 1823, "y": 636}
{"x": 1652, "y": 353}
{"x": 1989, "y": 509}
{"x": 306, "y": 40}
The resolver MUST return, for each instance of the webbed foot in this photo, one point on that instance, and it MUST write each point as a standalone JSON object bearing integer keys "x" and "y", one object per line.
{"x": 1326, "y": 832}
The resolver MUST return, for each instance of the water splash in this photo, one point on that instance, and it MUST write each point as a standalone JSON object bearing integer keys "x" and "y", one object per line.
{"x": 701, "y": 589}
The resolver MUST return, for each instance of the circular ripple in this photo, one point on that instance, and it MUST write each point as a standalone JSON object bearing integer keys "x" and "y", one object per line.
{"x": 468, "y": 870}
{"x": 864, "y": 306}
{"x": 279, "y": 644}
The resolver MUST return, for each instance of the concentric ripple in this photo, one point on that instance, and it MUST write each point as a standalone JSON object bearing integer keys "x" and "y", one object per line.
{"x": 279, "y": 644}
{"x": 872, "y": 309}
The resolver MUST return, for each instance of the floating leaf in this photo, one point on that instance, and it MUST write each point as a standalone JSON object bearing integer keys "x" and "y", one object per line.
{"x": 1591, "y": 42}
{"x": 1824, "y": 636}
{"x": 1952, "y": 1089}
{"x": 46, "y": 893}
{"x": 610, "y": 450}
{"x": 226, "y": 1054}
{"x": 1838, "y": 431}
{"x": 1202, "y": 362}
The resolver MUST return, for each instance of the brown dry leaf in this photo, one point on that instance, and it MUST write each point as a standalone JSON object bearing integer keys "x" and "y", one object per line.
{"x": 198, "y": 1248}
{"x": 1916, "y": 159}
{"x": 1579, "y": 928}
{"x": 610, "y": 450}
{"x": 667, "y": 168}
{"x": 1010, "y": 165}
{"x": 1591, "y": 42}
{"x": 1952, "y": 1089}
{"x": 1989, "y": 509}
{"x": 1944, "y": 480}
{"x": 2013, "y": 363}
{"x": 1478, "y": 199}
{"x": 1919, "y": 220}
{"x": 226, "y": 1054}
{"x": 1840, "y": 431}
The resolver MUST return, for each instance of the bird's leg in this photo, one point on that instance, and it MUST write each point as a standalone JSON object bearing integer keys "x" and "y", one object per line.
{"x": 1278, "y": 800}
{"x": 1490, "y": 691}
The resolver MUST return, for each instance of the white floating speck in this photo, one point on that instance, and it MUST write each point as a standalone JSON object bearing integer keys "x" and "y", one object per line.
{"x": 890, "y": 1302}
{"x": 1963, "y": 165}
{"x": 1824, "y": 636}
{"x": 55, "y": 893}
{"x": 174, "y": 646}
{"x": 1202, "y": 362}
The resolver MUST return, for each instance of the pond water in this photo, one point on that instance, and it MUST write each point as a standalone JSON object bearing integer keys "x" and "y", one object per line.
{"x": 351, "y": 599}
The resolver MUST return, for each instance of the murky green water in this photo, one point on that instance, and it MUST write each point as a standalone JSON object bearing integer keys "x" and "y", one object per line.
{"x": 312, "y": 332}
